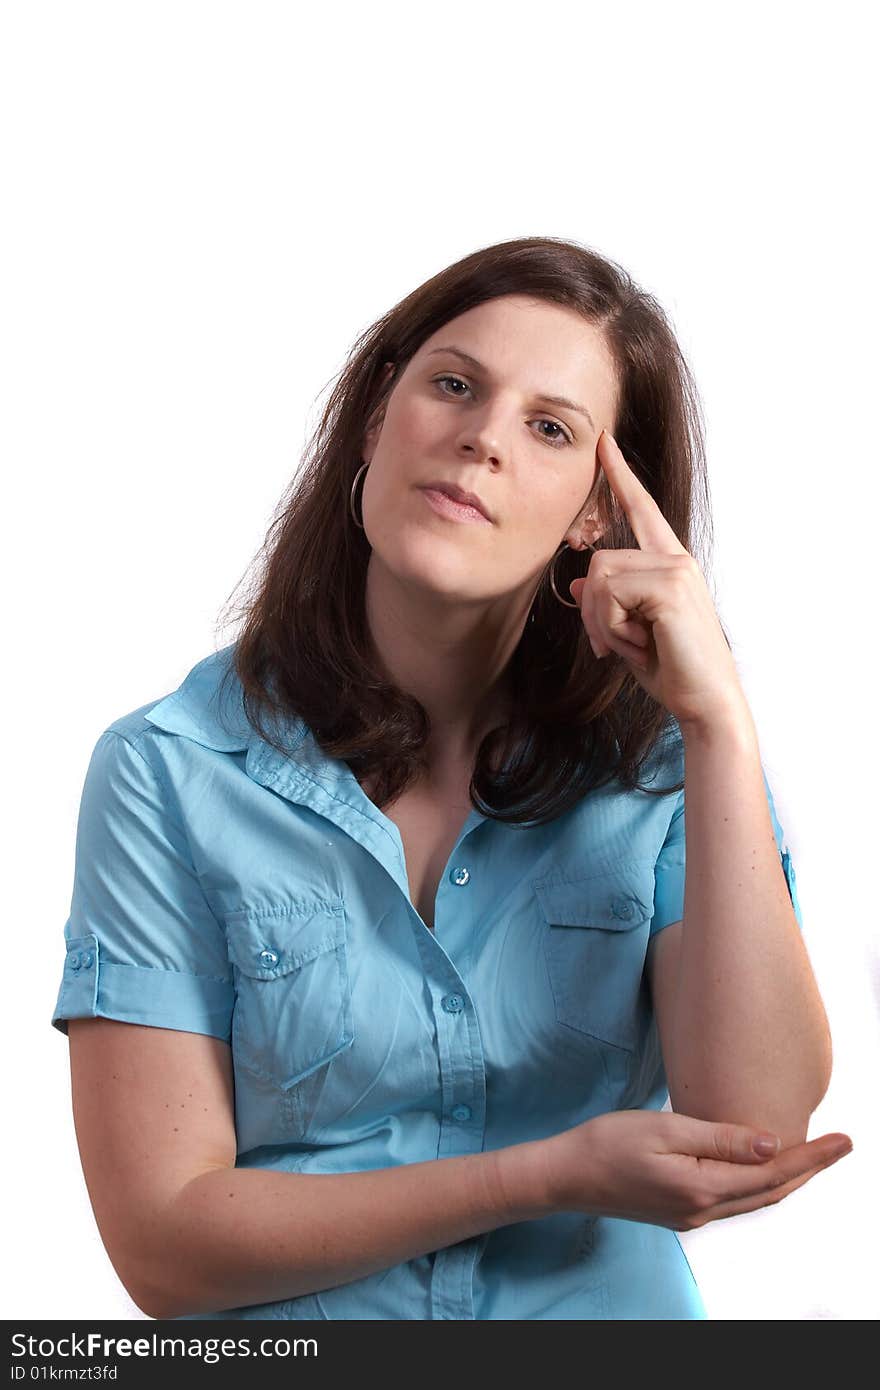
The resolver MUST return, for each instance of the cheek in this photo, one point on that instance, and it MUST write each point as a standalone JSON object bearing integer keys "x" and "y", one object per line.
{"x": 414, "y": 428}
{"x": 543, "y": 520}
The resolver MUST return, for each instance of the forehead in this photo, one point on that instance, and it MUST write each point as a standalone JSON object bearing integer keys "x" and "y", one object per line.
{"x": 544, "y": 348}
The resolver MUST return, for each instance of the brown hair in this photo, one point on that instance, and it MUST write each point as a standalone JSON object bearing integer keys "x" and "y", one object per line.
{"x": 304, "y": 647}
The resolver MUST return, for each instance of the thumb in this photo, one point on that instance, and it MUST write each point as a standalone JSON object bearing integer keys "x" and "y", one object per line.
{"x": 743, "y": 1144}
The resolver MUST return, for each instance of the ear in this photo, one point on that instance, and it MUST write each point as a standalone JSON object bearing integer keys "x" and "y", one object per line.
{"x": 586, "y": 531}
{"x": 596, "y": 517}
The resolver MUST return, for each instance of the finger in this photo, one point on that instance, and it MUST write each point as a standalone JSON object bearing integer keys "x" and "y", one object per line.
{"x": 648, "y": 591}
{"x": 736, "y": 1179}
{"x": 767, "y": 1196}
{"x": 627, "y": 651}
{"x": 729, "y": 1142}
{"x": 648, "y": 524}
{"x": 629, "y": 632}
{"x": 628, "y": 589}
{"x": 626, "y": 630}
{"x": 625, "y": 637}
{"x": 609, "y": 565}
{"x": 611, "y": 629}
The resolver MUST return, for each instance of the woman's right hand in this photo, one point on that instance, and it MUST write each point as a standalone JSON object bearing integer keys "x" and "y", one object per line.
{"x": 672, "y": 1170}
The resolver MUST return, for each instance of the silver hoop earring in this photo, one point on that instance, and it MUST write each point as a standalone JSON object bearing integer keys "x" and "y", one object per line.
{"x": 351, "y": 498}
{"x": 569, "y": 603}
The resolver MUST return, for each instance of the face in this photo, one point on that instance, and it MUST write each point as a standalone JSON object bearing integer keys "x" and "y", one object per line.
{"x": 490, "y": 430}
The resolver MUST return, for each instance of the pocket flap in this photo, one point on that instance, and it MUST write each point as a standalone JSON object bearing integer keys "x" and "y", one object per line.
{"x": 273, "y": 942}
{"x": 614, "y": 900}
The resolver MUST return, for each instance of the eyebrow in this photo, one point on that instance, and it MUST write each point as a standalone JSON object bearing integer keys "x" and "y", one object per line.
{"x": 562, "y": 401}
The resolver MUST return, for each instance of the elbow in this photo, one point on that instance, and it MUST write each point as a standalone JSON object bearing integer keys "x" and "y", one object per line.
{"x": 790, "y": 1133}
{"x": 162, "y": 1267}
{"x": 149, "y": 1281}
{"x": 159, "y": 1311}
{"x": 165, "y": 1302}
{"x": 162, "y": 1293}
{"x": 153, "y": 1300}
{"x": 821, "y": 1074}
{"x": 792, "y": 1127}
{"x": 789, "y": 1123}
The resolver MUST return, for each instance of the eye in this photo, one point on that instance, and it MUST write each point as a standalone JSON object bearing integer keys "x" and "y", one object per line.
{"x": 556, "y": 442}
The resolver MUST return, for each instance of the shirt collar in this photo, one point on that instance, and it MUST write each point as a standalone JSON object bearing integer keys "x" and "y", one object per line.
{"x": 210, "y": 710}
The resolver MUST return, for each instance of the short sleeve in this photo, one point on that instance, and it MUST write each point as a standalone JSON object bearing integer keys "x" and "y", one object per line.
{"x": 669, "y": 870}
{"x": 142, "y": 944}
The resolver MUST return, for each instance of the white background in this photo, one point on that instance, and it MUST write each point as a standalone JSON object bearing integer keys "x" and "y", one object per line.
{"x": 204, "y": 205}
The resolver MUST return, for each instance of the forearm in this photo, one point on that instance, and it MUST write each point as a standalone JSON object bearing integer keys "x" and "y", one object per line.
{"x": 239, "y": 1236}
{"x": 751, "y": 1041}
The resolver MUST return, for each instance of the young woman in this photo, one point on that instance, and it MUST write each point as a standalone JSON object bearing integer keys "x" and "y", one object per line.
{"x": 384, "y": 952}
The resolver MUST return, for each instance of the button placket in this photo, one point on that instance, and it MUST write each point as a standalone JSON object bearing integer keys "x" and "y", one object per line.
{"x": 462, "y": 1131}
{"x": 462, "y": 1068}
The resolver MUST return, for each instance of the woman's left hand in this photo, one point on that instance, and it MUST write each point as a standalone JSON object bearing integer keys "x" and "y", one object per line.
{"x": 652, "y": 607}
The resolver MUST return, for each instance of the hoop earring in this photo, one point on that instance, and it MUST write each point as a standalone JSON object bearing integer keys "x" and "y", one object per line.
{"x": 351, "y": 497}
{"x": 569, "y": 603}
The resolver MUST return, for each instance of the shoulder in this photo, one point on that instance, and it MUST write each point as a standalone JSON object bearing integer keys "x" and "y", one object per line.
{"x": 205, "y": 708}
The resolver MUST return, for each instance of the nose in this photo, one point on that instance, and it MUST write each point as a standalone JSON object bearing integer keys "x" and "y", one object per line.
{"x": 490, "y": 456}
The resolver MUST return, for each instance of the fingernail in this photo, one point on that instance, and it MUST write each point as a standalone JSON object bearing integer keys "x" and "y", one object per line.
{"x": 765, "y": 1144}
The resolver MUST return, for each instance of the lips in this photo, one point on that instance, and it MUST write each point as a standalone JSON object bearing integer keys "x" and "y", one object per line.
{"x": 458, "y": 494}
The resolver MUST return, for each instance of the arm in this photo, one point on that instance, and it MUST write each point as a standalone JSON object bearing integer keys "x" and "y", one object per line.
{"x": 188, "y": 1232}
{"x": 744, "y": 1033}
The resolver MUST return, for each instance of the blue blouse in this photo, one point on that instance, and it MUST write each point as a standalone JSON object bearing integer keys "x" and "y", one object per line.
{"x": 221, "y": 888}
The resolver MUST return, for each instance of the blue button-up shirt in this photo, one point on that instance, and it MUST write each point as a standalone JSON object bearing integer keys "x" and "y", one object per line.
{"x": 222, "y": 888}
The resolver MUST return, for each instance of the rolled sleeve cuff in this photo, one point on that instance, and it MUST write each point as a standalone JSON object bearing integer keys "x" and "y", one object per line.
{"x": 791, "y": 881}
{"x": 96, "y": 988}
{"x": 668, "y": 895}
{"x": 669, "y": 882}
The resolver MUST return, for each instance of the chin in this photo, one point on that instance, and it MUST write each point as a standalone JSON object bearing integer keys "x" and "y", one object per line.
{"x": 441, "y": 570}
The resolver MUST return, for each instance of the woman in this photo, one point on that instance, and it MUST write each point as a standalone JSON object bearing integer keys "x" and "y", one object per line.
{"x": 379, "y": 969}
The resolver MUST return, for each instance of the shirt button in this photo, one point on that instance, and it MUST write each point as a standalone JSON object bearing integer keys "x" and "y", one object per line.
{"x": 622, "y": 907}
{"x": 74, "y": 960}
{"x": 461, "y": 1112}
{"x": 459, "y": 876}
{"x": 87, "y": 960}
{"x": 268, "y": 958}
{"x": 452, "y": 1003}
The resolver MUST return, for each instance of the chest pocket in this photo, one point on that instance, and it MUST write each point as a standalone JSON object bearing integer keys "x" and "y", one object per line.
{"x": 293, "y": 994}
{"x": 595, "y": 939}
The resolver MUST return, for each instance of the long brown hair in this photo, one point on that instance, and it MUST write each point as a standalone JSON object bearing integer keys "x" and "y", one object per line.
{"x": 304, "y": 647}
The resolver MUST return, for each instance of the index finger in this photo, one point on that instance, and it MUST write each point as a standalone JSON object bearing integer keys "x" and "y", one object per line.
{"x": 649, "y": 525}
